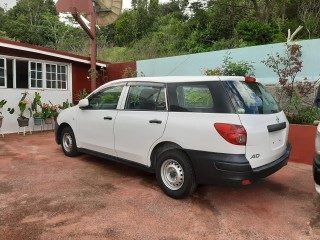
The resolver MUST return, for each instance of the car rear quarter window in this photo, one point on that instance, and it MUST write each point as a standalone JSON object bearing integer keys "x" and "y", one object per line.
{"x": 206, "y": 97}
{"x": 251, "y": 98}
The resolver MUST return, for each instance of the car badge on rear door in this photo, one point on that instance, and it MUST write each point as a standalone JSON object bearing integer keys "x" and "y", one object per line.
{"x": 277, "y": 119}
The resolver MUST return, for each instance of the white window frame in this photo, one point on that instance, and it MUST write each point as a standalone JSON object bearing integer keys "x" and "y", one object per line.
{"x": 68, "y": 74}
{"x": 36, "y": 75}
{"x": 5, "y": 72}
{"x": 57, "y": 74}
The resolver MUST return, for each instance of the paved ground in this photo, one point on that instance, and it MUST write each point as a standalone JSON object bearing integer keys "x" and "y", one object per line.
{"x": 45, "y": 195}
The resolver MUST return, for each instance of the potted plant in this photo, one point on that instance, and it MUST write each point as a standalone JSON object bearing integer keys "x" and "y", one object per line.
{"x": 2, "y": 103}
{"x": 48, "y": 112}
{"x": 64, "y": 105}
{"x": 22, "y": 120}
{"x": 37, "y": 116}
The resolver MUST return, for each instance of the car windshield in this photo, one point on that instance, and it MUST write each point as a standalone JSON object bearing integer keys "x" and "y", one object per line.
{"x": 251, "y": 98}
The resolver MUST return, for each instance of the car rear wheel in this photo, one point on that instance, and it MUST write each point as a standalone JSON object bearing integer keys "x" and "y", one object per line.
{"x": 175, "y": 174}
{"x": 68, "y": 142}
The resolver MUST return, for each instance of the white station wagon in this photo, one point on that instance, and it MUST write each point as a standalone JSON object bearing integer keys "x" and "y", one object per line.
{"x": 188, "y": 130}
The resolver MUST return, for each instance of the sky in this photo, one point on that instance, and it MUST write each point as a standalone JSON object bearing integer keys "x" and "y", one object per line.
{"x": 11, "y": 3}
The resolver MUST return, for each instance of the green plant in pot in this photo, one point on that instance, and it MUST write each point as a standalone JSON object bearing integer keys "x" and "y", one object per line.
{"x": 23, "y": 121}
{"x": 62, "y": 107}
{"x": 48, "y": 112}
{"x": 2, "y": 103}
{"x": 37, "y": 115}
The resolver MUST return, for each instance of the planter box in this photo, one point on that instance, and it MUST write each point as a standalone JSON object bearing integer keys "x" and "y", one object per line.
{"x": 302, "y": 139}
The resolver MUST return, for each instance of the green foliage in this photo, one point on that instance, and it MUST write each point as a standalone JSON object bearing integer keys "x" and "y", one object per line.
{"x": 152, "y": 29}
{"x": 22, "y": 104}
{"x": 48, "y": 111}
{"x": 65, "y": 105}
{"x": 294, "y": 96}
{"x": 129, "y": 73}
{"x": 299, "y": 113}
{"x": 196, "y": 98}
{"x": 229, "y": 68}
{"x": 36, "y": 103}
{"x": 2, "y": 103}
{"x": 82, "y": 94}
{"x": 254, "y": 32}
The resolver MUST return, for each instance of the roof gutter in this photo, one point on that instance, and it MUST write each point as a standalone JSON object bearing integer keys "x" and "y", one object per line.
{"x": 22, "y": 48}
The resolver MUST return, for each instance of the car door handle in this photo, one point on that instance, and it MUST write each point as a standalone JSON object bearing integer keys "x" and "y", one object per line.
{"x": 107, "y": 118}
{"x": 155, "y": 121}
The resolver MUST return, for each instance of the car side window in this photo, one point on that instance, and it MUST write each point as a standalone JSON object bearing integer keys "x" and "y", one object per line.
{"x": 146, "y": 98}
{"x": 191, "y": 98}
{"x": 105, "y": 99}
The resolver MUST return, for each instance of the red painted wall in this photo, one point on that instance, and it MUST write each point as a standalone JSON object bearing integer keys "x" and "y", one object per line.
{"x": 115, "y": 71}
{"x": 79, "y": 79}
{"x": 302, "y": 139}
{"x": 80, "y": 73}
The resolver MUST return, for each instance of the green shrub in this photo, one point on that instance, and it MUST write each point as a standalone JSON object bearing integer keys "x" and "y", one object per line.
{"x": 254, "y": 32}
{"x": 229, "y": 68}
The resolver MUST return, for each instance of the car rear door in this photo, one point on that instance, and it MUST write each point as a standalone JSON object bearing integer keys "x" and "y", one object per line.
{"x": 266, "y": 125}
{"x": 141, "y": 122}
{"x": 267, "y": 137}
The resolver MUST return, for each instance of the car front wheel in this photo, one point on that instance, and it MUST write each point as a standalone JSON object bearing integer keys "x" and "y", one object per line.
{"x": 175, "y": 174}
{"x": 68, "y": 142}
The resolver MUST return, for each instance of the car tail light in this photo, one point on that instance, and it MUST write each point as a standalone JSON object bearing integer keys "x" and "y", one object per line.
{"x": 249, "y": 79}
{"x": 235, "y": 134}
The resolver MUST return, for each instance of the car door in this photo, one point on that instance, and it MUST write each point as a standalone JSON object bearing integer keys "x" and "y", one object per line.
{"x": 141, "y": 122}
{"x": 95, "y": 123}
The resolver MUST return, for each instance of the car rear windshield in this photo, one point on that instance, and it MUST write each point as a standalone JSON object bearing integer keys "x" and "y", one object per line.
{"x": 251, "y": 98}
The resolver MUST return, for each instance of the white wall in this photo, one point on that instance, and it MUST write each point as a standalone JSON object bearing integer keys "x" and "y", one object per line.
{"x": 13, "y": 96}
{"x": 191, "y": 65}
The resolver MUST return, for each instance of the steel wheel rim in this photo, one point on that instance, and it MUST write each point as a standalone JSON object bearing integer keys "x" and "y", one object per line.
{"x": 172, "y": 174}
{"x": 67, "y": 142}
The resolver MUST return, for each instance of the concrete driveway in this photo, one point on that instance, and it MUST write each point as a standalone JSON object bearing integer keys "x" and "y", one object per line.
{"x": 45, "y": 195}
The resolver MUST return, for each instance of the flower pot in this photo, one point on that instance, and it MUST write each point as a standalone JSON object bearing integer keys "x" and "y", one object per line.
{"x": 38, "y": 121}
{"x": 48, "y": 120}
{"x": 23, "y": 122}
{"x": 1, "y": 119}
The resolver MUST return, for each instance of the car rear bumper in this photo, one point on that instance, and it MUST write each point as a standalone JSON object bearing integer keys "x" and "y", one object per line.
{"x": 316, "y": 172}
{"x": 217, "y": 168}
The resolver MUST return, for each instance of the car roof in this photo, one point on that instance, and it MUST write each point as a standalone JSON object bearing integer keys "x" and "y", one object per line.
{"x": 170, "y": 79}
{"x": 173, "y": 79}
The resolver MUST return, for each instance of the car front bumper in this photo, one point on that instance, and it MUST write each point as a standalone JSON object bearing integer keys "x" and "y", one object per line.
{"x": 316, "y": 172}
{"x": 56, "y": 127}
{"x": 217, "y": 168}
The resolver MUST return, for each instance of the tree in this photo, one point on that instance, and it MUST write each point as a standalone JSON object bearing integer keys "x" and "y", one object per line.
{"x": 309, "y": 13}
{"x": 254, "y": 32}
{"x": 263, "y": 9}
{"x": 26, "y": 21}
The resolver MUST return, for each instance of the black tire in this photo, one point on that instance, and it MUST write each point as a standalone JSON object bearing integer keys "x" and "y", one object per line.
{"x": 68, "y": 142}
{"x": 175, "y": 174}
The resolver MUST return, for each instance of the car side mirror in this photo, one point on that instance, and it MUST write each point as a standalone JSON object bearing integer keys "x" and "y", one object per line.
{"x": 83, "y": 103}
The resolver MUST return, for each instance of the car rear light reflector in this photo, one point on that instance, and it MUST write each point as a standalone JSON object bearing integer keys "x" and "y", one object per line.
{"x": 250, "y": 79}
{"x": 246, "y": 182}
{"x": 232, "y": 133}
